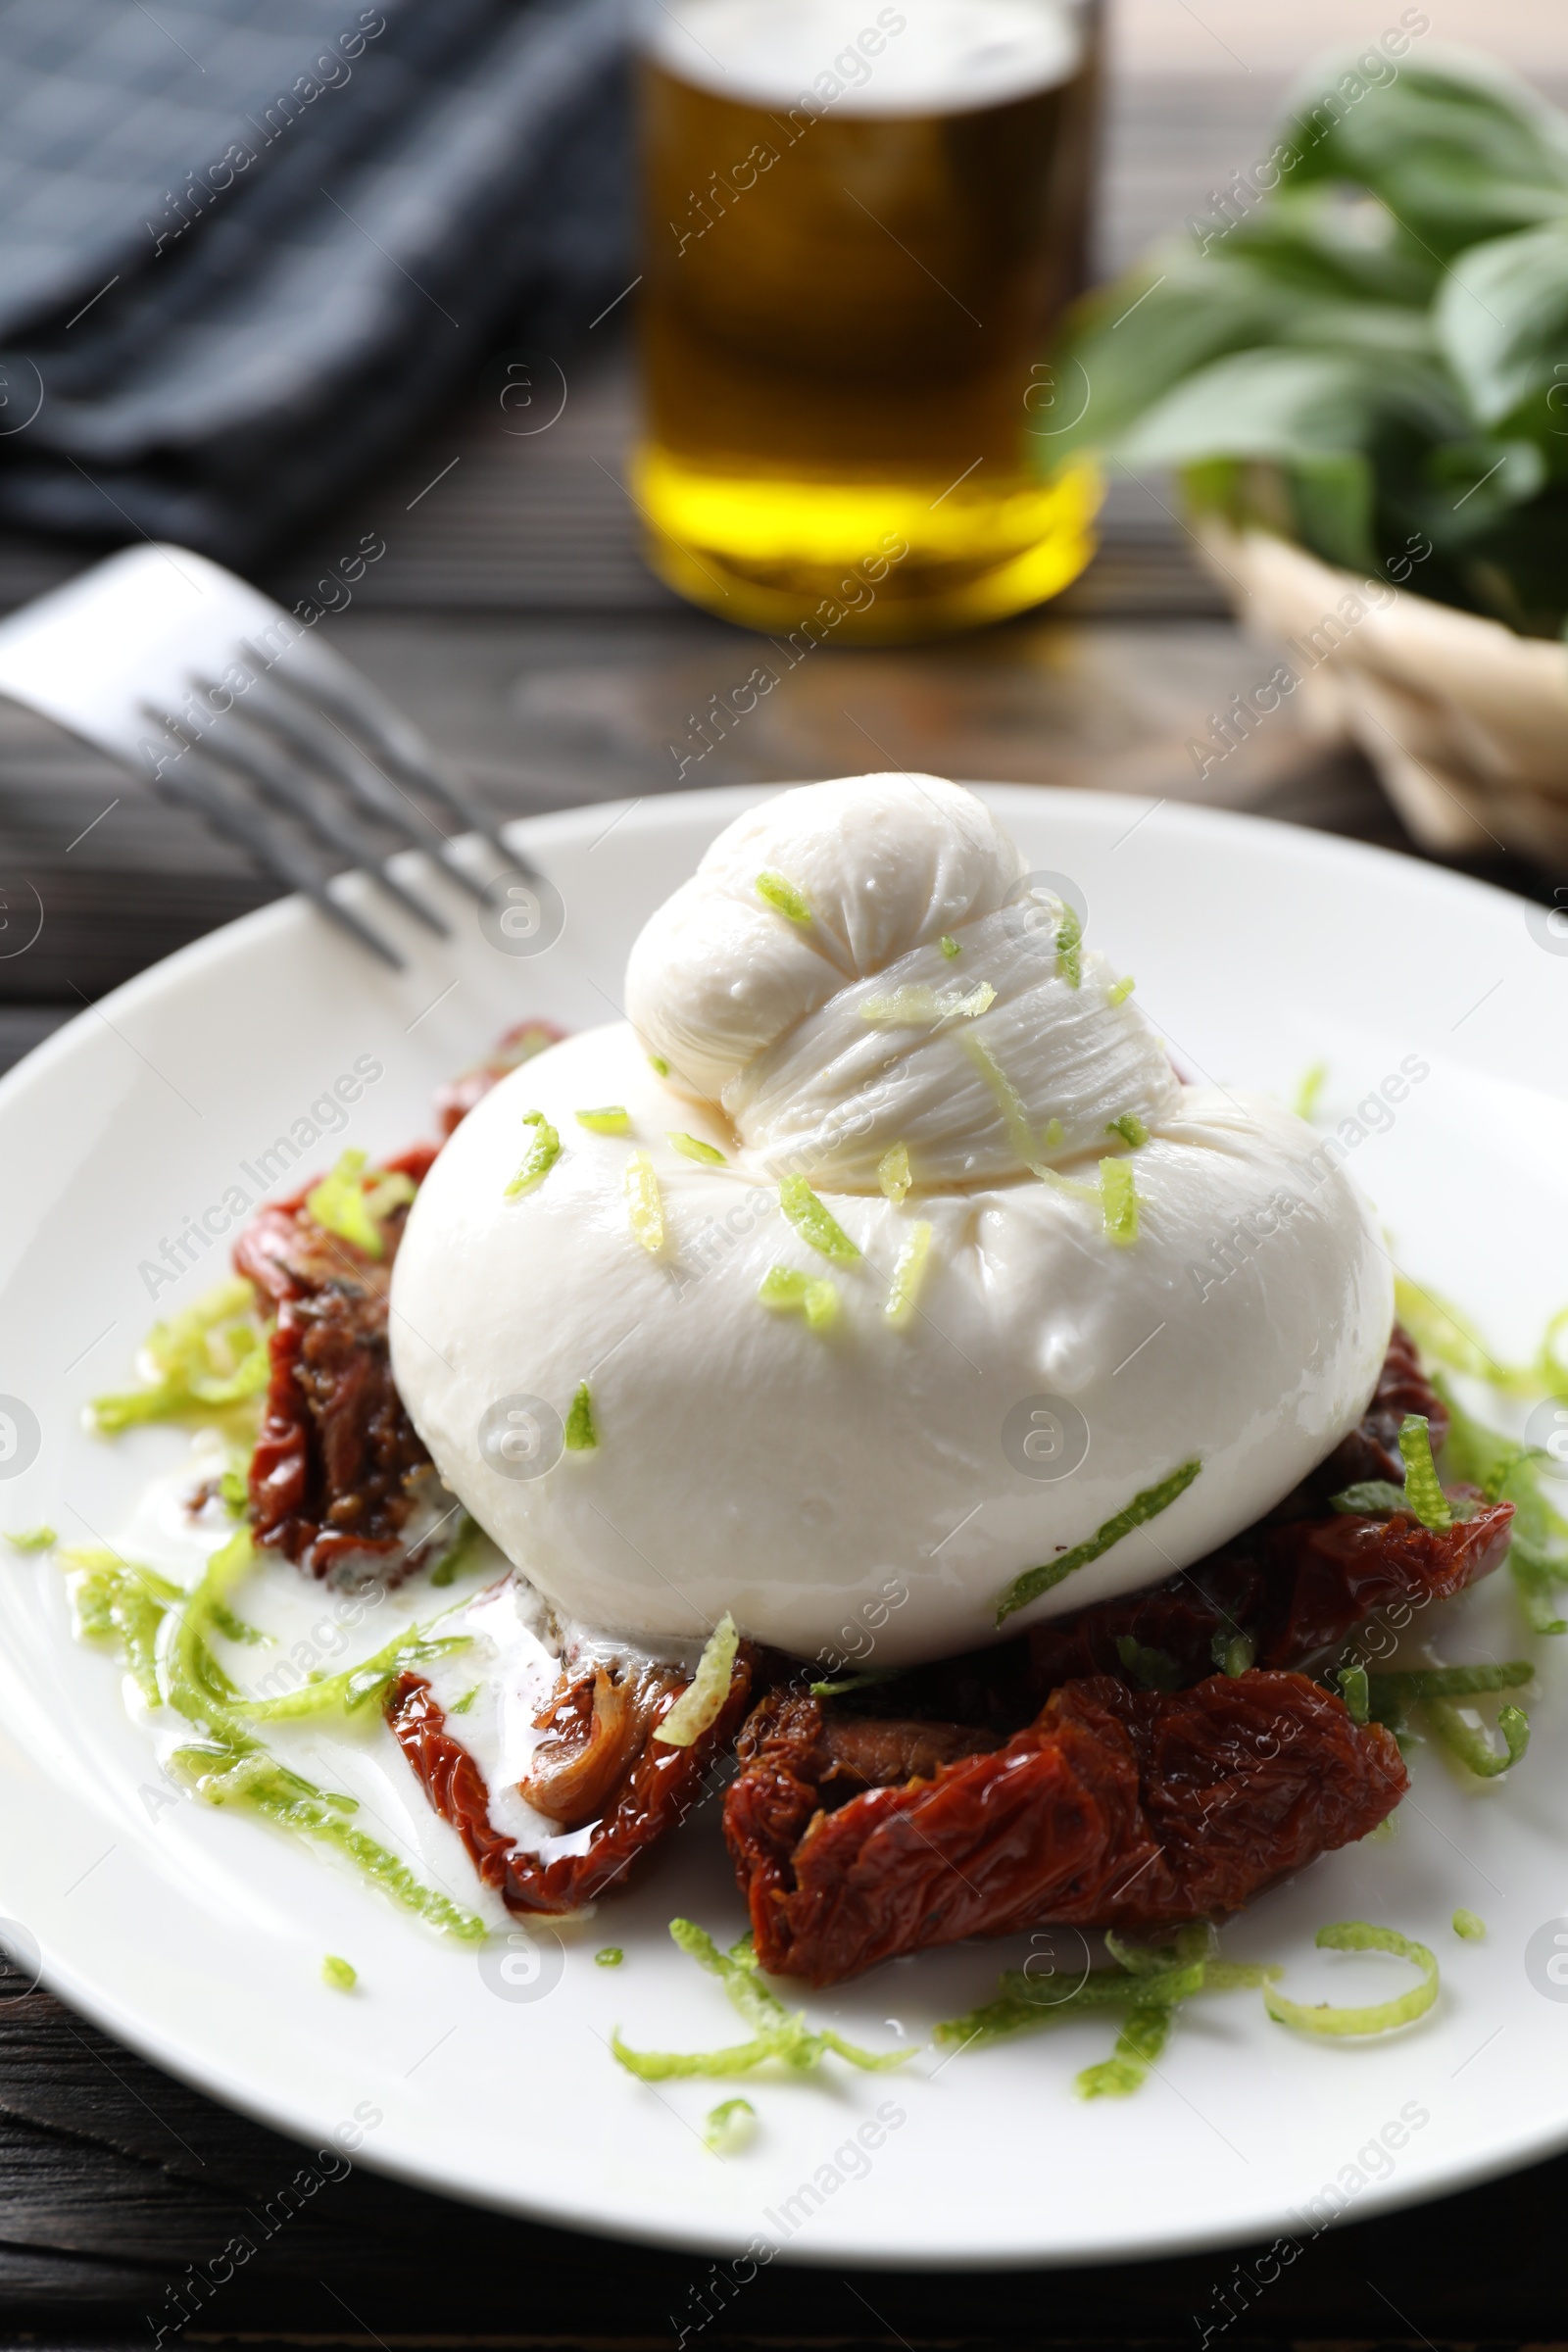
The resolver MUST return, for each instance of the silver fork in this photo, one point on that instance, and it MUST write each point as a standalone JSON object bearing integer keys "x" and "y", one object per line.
{"x": 229, "y": 707}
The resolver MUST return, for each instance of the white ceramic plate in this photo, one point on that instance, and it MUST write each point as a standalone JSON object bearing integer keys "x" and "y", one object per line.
{"x": 197, "y": 1937}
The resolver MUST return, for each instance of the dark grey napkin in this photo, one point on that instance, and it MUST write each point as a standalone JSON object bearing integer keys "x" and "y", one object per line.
{"x": 246, "y": 245}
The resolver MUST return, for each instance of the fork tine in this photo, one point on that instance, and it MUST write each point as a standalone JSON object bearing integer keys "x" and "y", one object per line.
{"x": 231, "y": 743}
{"x": 323, "y": 743}
{"x": 338, "y": 692}
{"x": 467, "y": 816}
{"x": 199, "y": 784}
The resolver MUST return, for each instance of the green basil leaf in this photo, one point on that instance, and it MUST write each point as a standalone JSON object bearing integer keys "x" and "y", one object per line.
{"x": 1502, "y": 321}
{"x": 1171, "y": 316}
{"x": 1458, "y": 147}
{"x": 1257, "y": 403}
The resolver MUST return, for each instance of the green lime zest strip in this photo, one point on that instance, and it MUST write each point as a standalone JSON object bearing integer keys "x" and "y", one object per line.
{"x": 645, "y": 1204}
{"x": 893, "y": 1173}
{"x": 1503, "y": 1468}
{"x": 908, "y": 1274}
{"x": 1140, "y": 2043}
{"x": 390, "y": 1189}
{"x": 815, "y": 1223}
{"x": 116, "y": 1600}
{"x": 780, "y": 2033}
{"x": 356, "y": 1688}
{"x": 1130, "y": 1127}
{"x": 1120, "y": 992}
{"x": 194, "y": 1684}
{"x": 692, "y": 1146}
{"x": 33, "y": 1538}
{"x": 1025, "y": 2003}
{"x": 907, "y": 1009}
{"x": 1307, "y": 1093}
{"x": 353, "y": 1206}
{"x": 1472, "y": 1746}
{"x": 949, "y": 944}
{"x": 338, "y": 1203}
{"x": 211, "y": 1354}
{"x": 1469, "y": 1927}
{"x": 1536, "y": 1585}
{"x": 702, "y": 1702}
{"x": 916, "y": 1006}
{"x": 229, "y": 1766}
{"x": 612, "y": 1120}
{"x": 581, "y": 1435}
{"x": 979, "y": 999}
{"x": 459, "y": 1553}
{"x": 1355, "y": 1690}
{"x": 782, "y": 896}
{"x": 1143, "y": 1507}
{"x": 785, "y": 1287}
{"x": 460, "y": 1706}
{"x": 222, "y": 1774}
{"x": 1005, "y": 1095}
{"x": 1451, "y": 1681}
{"x": 235, "y": 1629}
{"x": 1506, "y": 1472}
{"x": 863, "y": 1681}
{"x": 541, "y": 1157}
{"x": 341, "y": 1975}
{"x": 662, "y": 2066}
{"x": 1144, "y": 1979}
{"x": 658, "y": 1066}
{"x": 1150, "y": 1669}
{"x": 608, "y": 1955}
{"x": 1119, "y": 1202}
{"x": 1381, "y": 2017}
{"x": 1422, "y": 1486}
{"x": 1070, "y": 946}
{"x": 729, "y": 2127}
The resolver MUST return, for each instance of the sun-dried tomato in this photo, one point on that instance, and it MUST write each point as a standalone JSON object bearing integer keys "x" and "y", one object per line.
{"x": 338, "y": 1466}
{"x": 650, "y": 1791}
{"x": 1296, "y": 1594}
{"x": 1116, "y": 1808}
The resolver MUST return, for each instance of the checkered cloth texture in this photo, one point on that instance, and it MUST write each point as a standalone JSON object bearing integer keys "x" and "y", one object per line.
{"x": 246, "y": 245}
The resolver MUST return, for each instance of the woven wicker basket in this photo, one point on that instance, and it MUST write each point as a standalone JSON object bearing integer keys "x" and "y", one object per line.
{"x": 1466, "y": 723}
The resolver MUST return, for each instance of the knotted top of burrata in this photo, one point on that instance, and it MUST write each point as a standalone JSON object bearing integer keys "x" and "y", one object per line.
{"x": 895, "y": 1262}
{"x": 921, "y": 992}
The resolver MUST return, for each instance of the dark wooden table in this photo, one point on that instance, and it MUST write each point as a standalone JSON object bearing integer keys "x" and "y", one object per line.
{"x": 512, "y": 616}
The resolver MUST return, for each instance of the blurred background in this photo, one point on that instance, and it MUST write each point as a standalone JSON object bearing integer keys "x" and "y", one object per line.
{"x": 347, "y": 298}
{"x": 1164, "y": 37}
